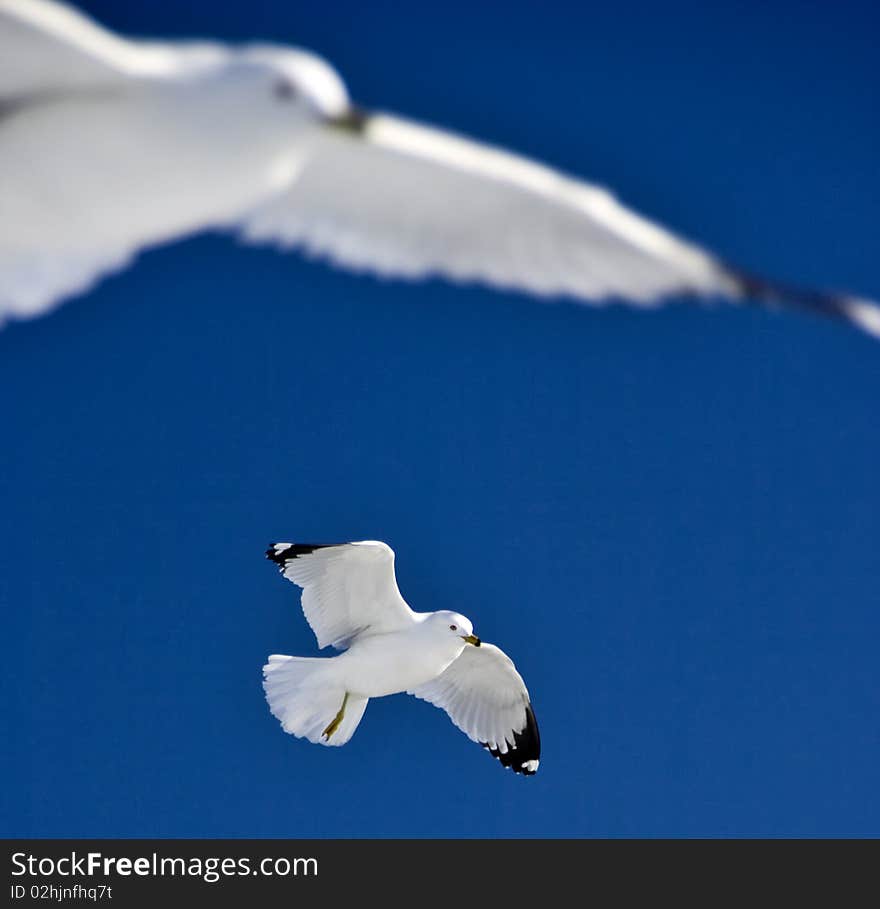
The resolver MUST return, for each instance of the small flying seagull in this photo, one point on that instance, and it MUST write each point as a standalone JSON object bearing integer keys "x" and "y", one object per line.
{"x": 110, "y": 145}
{"x": 351, "y": 601}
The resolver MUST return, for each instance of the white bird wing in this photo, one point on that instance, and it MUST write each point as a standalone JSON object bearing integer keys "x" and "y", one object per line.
{"x": 47, "y": 47}
{"x": 348, "y": 588}
{"x": 401, "y": 199}
{"x": 396, "y": 198}
{"x": 487, "y": 699}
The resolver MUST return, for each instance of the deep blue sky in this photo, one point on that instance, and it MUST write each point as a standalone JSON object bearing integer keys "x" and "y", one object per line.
{"x": 670, "y": 520}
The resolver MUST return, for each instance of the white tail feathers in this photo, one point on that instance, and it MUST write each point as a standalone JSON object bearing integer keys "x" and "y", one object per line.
{"x": 303, "y": 697}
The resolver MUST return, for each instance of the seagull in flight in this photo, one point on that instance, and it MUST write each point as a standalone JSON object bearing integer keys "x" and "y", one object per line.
{"x": 110, "y": 145}
{"x": 351, "y": 601}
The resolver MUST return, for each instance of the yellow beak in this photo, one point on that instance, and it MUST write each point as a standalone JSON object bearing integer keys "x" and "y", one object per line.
{"x": 471, "y": 639}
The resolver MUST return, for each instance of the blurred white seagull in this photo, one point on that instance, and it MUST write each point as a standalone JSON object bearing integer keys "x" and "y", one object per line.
{"x": 110, "y": 145}
{"x": 350, "y": 599}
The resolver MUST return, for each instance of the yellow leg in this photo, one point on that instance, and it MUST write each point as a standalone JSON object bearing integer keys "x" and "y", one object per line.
{"x": 334, "y": 725}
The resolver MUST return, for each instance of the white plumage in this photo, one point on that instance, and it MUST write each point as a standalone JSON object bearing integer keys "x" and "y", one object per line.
{"x": 110, "y": 145}
{"x": 346, "y": 590}
{"x": 350, "y": 599}
{"x": 484, "y": 696}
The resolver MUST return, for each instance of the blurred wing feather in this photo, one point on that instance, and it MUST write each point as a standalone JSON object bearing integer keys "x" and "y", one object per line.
{"x": 411, "y": 201}
{"x": 48, "y": 47}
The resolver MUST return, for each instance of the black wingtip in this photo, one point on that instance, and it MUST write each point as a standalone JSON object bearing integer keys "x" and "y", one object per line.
{"x": 279, "y": 553}
{"x": 861, "y": 314}
{"x": 524, "y": 755}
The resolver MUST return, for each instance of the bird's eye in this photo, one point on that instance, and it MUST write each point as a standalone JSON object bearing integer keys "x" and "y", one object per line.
{"x": 453, "y": 627}
{"x": 284, "y": 89}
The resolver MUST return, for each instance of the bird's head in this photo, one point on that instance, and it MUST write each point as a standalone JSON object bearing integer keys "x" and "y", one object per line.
{"x": 302, "y": 83}
{"x": 455, "y": 625}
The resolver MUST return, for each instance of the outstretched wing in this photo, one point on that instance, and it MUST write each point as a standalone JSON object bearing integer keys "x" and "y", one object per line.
{"x": 48, "y": 47}
{"x": 487, "y": 699}
{"x": 403, "y": 199}
{"x": 400, "y": 199}
{"x": 348, "y": 588}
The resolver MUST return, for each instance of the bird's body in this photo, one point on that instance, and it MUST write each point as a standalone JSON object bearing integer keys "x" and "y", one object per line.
{"x": 158, "y": 142}
{"x": 351, "y": 600}
{"x": 110, "y": 145}
{"x": 411, "y": 657}
{"x": 91, "y": 177}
